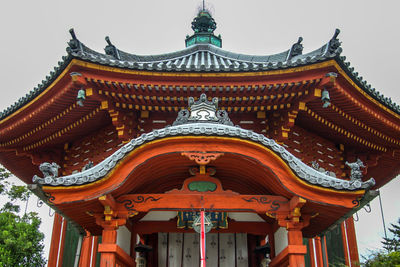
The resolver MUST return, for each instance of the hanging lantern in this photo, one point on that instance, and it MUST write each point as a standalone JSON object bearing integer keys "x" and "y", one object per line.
{"x": 325, "y": 98}
{"x": 208, "y": 225}
{"x": 80, "y": 98}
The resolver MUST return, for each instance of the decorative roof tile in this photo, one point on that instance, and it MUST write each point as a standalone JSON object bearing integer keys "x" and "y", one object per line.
{"x": 201, "y": 119}
{"x": 203, "y": 58}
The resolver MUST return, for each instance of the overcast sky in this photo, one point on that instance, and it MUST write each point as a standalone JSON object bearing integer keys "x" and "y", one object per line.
{"x": 33, "y": 39}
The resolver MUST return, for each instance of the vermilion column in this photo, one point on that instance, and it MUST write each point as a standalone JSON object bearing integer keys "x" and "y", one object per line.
{"x": 311, "y": 251}
{"x": 86, "y": 250}
{"x": 296, "y": 249}
{"x": 55, "y": 240}
{"x": 318, "y": 251}
{"x": 351, "y": 238}
{"x": 94, "y": 253}
{"x": 108, "y": 259}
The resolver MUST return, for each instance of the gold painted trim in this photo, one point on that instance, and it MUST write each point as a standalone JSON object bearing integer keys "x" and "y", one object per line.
{"x": 328, "y": 63}
{"x": 65, "y": 71}
{"x": 135, "y": 151}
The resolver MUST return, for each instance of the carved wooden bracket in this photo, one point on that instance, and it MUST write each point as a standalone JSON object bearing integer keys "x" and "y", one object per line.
{"x": 280, "y": 123}
{"x": 292, "y": 220}
{"x": 111, "y": 219}
{"x": 124, "y": 122}
{"x": 202, "y": 158}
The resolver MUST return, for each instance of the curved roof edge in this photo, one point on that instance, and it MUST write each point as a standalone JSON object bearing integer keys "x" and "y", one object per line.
{"x": 203, "y": 58}
{"x": 303, "y": 171}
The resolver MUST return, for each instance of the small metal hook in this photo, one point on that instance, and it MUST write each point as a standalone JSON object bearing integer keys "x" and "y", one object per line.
{"x": 356, "y": 220}
{"x": 51, "y": 214}
{"x": 367, "y": 208}
{"x": 39, "y": 203}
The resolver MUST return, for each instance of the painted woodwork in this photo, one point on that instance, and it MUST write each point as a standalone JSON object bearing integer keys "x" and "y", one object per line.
{"x": 162, "y": 249}
{"x": 227, "y": 250}
{"x": 284, "y": 104}
{"x": 241, "y": 250}
{"x": 264, "y": 156}
{"x": 212, "y": 249}
{"x": 223, "y": 249}
{"x": 90, "y": 79}
{"x": 55, "y": 240}
{"x": 175, "y": 252}
{"x": 191, "y": 256}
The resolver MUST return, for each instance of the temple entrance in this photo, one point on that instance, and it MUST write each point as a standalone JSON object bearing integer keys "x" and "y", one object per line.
{"x": 222, "y": 249}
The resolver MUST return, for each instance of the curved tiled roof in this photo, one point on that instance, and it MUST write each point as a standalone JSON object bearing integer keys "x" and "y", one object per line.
{"x": 203, "y": 58}
{"x": 303, "y": 171}
{"x": 201, "y": 119}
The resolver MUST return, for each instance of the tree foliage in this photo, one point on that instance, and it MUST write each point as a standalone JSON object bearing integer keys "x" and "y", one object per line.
{"x": 21, "y": 242}
{"x": 393, "y": 244}
{"x": 389, "y": 257}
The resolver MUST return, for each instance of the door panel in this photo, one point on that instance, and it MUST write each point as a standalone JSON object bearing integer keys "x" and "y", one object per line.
{"x": 212, "y": 249}
{"x": 227, "y": 250}
{"x": 175, "y": 249}
{"x": 191, "y": 251}
{"x": 183, "y": 250}
{"x": 162, "y": 249}
{"x": 241, "y": 250}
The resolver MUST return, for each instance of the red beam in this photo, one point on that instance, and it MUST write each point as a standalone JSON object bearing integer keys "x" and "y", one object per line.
{"x": 149, "y": 227}
{"x": 218, "y": 202}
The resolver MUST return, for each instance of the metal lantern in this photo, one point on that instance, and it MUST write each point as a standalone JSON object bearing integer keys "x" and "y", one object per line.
{"x": 207, "y": 223}
{"x": 80, "y": 98}
{"x": 325, "y": 98}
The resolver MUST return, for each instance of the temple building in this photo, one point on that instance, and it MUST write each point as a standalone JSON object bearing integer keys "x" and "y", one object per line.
{"x": 268, "y": 157}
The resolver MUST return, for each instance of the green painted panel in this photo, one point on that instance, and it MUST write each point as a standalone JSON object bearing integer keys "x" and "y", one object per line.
{"x": 334, "y": 246}
{"x": 70, "y": 245}
{"x": 98, "y": 254}
{"x": 307, "y": 259}
{"x": 202, "y": 186}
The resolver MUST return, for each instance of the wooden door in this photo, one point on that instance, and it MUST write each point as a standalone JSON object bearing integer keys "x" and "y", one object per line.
{"x": 182, "y": 250}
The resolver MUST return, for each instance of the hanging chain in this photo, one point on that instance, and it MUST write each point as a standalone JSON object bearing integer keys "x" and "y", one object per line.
{"x": 383, "y": 217}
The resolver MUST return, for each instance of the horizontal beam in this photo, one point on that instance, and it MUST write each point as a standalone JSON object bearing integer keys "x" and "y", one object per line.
{"x": 149, "y": 227}
{"x": 210, "y": 201}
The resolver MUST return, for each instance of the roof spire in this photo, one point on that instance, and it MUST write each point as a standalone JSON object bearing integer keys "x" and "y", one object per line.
{"x": 203, "y": 26}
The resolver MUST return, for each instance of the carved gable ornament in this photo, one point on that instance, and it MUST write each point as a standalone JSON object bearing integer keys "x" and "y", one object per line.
{"x": 203, "y": 111}
{"x": 202, "y": 118}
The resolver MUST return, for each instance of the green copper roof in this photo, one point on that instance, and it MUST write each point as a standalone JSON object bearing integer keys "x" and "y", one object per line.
{"x": 203, "y": 26}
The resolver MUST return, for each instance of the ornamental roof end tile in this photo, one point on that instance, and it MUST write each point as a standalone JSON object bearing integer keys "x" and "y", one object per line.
{"x": 202, "y": 58}
{"x": 203, "y": 118}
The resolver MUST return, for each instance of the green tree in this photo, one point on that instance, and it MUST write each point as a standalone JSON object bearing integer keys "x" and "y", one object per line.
{"x": 389, "y": 257}
{"x": 393, "y": 244}
{"x": 21, "y": 242}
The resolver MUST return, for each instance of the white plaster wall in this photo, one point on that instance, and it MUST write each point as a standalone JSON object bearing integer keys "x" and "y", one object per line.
{"x": 124, "y": 239}
{"x": 159, "y": 216}
{"x": 245, "y": 217}
{"x": 281, "y": 240}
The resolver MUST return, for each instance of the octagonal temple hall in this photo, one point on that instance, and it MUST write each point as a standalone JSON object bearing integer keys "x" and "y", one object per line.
{"x": 268, "y": 157}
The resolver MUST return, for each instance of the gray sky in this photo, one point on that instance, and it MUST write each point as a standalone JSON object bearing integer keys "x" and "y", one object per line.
{"x": 33, "y": 38}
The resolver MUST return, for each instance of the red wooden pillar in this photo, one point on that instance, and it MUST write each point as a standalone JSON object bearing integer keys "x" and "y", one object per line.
{"x": 94, "y": 253}
{"x": 311, "y": 252}
{"x": 296, "y": 249}
{"x": 108, "y": 257}
{"x": 62, "y": 242}
{"x": 86, "y": 250}
{"x": 55, "y": 240}
{"x": 318, "y": 251}
{"x": 352, "y": 241}
{"x": 293, "y": 254}
{"x": 345, "y": 244}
